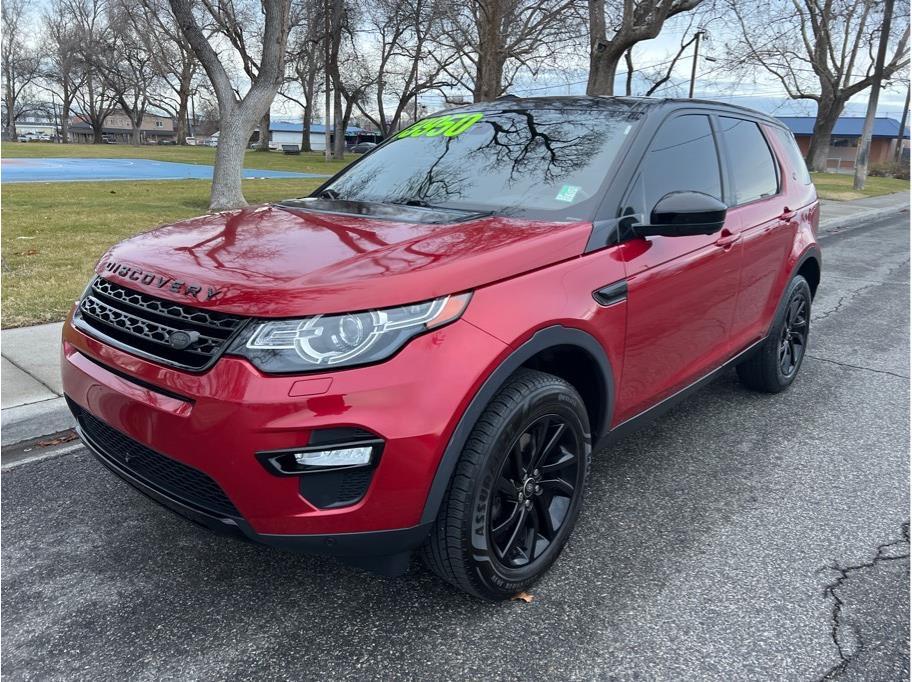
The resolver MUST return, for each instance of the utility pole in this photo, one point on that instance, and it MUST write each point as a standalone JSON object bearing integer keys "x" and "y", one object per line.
{"x": 693, "y": 68}
{"x": 900, "y": 136}
{"x": 864, "y": 146}
{"x": 327, "y": 153}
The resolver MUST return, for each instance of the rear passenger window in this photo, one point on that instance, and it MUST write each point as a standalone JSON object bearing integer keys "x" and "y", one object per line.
{"x": 682, "y": 158}
{"x": 752, "y": 165}
{"x": 798, "y": 168}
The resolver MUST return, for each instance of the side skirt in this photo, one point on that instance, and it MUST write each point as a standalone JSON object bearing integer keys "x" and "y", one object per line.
{"x": 652, "y": 413}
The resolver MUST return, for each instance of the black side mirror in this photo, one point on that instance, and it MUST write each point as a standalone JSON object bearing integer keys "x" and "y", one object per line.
{"x": 682, "y": 214}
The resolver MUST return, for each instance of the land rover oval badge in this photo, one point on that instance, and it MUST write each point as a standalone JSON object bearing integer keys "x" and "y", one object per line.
{"x": 181, "y": 340}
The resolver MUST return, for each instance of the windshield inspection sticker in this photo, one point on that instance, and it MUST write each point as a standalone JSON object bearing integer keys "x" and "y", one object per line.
{"x": 567, "y": 192}
{"x": 448, "y": 126}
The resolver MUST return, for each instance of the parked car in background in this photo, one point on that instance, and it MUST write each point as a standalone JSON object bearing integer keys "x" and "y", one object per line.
{"x": 425, "y": 353}
{"x": 362, "y": 147}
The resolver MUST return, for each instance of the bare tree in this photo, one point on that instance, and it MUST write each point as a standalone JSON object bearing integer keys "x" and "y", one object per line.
{"x": 659, "y": 75}
{"x": 305, "y": 58}
{"x": 237, "y": 115}
{"x": 126, "y": 62}
{"x": 62, "y": 71}
{"x": 494, "y": 39}
{"x": 173, "y": 61}
{"x": 408, "y": 62}
{"x": 818, "y": 51}
{"x": 629, "y": 22}
{"x": 94, "y": 98}
{"x": 21, "y": 66}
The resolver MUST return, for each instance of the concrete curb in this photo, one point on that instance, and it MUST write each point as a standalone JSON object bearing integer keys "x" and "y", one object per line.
{"x": 34, "y": 420}
{"x": 842, "y": 222}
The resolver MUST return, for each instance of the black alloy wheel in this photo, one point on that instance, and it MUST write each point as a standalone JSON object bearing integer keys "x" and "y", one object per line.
{"x": 534, "y": 491}
{"x": 517, "y": 490}
{"x": 793, "y": 339}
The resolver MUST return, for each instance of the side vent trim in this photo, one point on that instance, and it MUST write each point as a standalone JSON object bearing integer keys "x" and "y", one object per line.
{"x": 611, "y": 294}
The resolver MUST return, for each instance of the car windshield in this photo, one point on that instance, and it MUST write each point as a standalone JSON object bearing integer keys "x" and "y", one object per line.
{"x": 548, "y": 163}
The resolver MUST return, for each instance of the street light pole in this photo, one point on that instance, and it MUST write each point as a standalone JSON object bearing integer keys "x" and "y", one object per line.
{"x": 693, "y": 68}
{"x": 864, "y": 145}
{"x": 901, "y": 135}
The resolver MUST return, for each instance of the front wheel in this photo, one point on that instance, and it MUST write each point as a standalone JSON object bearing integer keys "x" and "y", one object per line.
{"x": 517, "y": 490}
{"x": 774, "y": 367}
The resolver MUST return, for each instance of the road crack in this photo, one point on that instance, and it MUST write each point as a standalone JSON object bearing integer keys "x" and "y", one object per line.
{"x": 897, "y": 550}
{"x": 848, "y": 296}
{"x": 863, "y": 369}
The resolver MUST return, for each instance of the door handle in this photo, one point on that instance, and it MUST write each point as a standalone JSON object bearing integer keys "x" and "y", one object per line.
{"x": 727, "y": 240}
{"x": 787, "y": 214}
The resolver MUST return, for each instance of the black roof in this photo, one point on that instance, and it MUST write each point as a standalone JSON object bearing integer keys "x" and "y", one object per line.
{"x": 634, "y": 104}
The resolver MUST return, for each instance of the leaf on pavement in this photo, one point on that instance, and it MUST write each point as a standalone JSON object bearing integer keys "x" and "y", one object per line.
{"x": 66, "y": 438}
{"x": 522, "y": 596}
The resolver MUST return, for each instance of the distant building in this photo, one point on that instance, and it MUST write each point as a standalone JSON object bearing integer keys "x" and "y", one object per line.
{"x": 289, "y": 132}
{"x": 846, "y": 134}
{"x": 117, "y": 129}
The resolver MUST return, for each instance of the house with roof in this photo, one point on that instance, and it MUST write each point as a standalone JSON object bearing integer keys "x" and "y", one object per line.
{"x": 289, "y": 132}
{"x": 118, "y": 129}
{"x": 846, "y": 135}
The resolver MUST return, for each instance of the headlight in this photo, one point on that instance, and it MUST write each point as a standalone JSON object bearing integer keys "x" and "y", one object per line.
{"x": 328, "y": 341}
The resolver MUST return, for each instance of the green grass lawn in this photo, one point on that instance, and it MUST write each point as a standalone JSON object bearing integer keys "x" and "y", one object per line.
{"x": 838, "y": 186}
{"x": 303, "y": 163}
{"x": 53, "y": 233}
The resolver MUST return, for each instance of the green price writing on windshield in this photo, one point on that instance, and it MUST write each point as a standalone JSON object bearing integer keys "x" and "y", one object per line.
{"x": 448, "y": 126}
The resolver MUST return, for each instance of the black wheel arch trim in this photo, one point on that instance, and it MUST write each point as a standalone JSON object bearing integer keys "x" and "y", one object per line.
{"x": 549, "y": 337}
{"x": 811, "y": 253}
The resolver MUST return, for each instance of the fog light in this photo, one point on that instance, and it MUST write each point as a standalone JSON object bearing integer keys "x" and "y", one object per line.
{"x": 335, "y": 458}
{"x": 320, "y": 457}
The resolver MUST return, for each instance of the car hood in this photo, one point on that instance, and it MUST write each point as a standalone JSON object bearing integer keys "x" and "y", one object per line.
{"x": 277, "y": 261}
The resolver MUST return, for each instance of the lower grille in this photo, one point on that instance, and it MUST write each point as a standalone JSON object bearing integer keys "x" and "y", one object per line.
{"x": 168, "y": 476}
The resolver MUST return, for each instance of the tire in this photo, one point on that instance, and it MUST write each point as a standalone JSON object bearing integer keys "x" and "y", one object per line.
{"x": 470, "y": 542}
{"x": 775, "y": 365}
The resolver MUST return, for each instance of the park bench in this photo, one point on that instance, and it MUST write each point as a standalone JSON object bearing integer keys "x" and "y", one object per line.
{"x": 291, "y": 149}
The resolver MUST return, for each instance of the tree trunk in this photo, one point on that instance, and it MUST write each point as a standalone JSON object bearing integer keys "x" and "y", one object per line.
{"x": 65, "y": 122}
{"x": 338, "y": 125}
{"x": 306, "y": 121}
{"x": 97, "y": 131}
{"x": 490, "y": 64}
{"x": 180, "y": 132}
{"x": 227, "y": 192}
{"x": 183, "y": 104}
{"x": 135, "y": 133}
{"x": 263, "y": 143}
{"x": 603, "y": 63}
{"x": 9, "y": 123}
{"x": 828, "y": 111}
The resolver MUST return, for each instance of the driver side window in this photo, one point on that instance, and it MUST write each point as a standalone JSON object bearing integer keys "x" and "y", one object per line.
{"x": 681, "y": 158}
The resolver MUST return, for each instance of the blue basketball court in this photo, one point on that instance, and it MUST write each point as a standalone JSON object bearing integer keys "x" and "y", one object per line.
{"x": 85, "y": 170}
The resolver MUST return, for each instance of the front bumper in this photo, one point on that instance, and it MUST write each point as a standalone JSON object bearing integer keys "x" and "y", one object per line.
{"x": 215, "y": 422}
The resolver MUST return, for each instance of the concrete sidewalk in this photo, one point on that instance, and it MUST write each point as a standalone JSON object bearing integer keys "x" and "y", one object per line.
{"x": 32, "y": 394}
{"x": 33, "y": 405}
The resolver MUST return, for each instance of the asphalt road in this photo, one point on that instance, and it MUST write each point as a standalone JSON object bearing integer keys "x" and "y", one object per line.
{"x": 741, "y": 537}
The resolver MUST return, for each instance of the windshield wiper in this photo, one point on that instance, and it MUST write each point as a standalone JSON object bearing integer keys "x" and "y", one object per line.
{"x": 415, "y": 202}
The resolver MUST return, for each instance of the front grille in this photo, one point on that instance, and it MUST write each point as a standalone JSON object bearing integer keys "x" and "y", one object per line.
{"x": 144, "y": 324}
{"x": 167, "y": 476}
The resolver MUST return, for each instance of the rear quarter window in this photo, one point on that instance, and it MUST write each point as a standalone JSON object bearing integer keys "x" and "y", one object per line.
{"x": 751, "y": 161}
{"x": 797, "y": 167}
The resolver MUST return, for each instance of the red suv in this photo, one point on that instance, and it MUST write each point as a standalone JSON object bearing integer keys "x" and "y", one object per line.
{"x": 424, "y": 353}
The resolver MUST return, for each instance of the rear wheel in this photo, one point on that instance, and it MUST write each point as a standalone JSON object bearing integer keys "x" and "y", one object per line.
{"x": 774, "y": 367}
{"x": 517, "y": 490}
